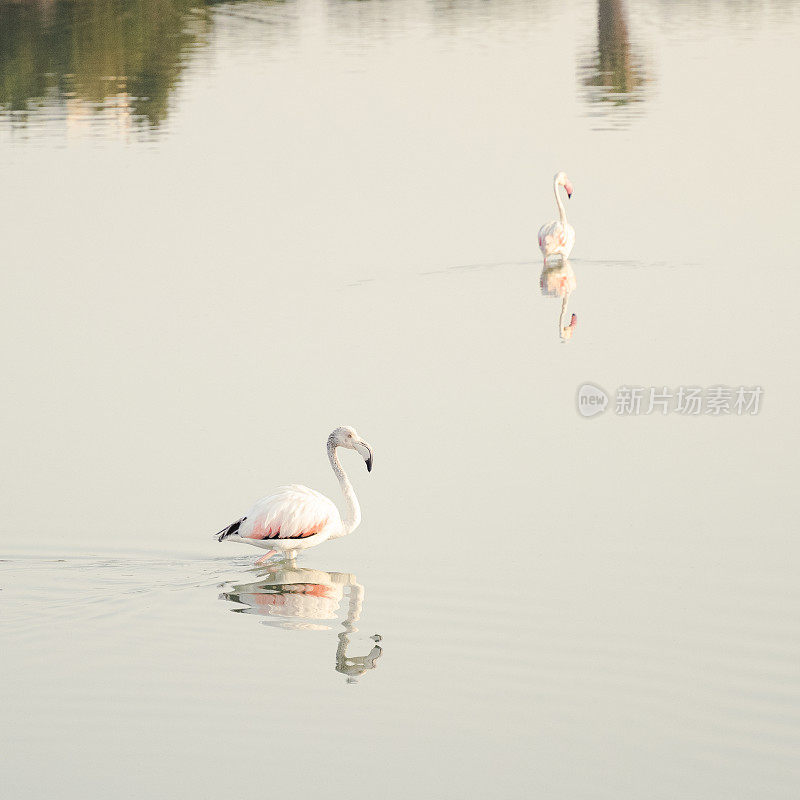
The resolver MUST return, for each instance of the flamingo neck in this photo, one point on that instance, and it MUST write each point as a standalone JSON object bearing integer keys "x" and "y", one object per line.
{"x": 562, "y": 212}
{"x": 352, "y": 518}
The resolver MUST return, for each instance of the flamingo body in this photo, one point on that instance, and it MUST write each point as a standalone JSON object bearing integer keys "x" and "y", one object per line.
{"x": 556, "y": 239}
{"x": 291, "y": 518}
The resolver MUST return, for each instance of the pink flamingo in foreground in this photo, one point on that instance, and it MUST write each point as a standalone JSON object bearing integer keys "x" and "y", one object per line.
{"x": 294, "y": 518}
{"x": 558, "y": 237}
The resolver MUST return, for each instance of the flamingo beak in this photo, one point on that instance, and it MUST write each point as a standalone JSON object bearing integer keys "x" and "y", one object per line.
{"x": 365, "y": 451}
{"x": 569, "y": 189}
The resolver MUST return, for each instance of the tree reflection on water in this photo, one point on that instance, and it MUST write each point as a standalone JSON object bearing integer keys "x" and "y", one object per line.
{"x": 126, "y": 55}
{"x": 614, "y": 73}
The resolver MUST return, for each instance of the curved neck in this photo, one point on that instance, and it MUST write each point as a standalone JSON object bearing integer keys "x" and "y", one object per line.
{"x": 352, "y": 518}
{"x": 562, "y": 212}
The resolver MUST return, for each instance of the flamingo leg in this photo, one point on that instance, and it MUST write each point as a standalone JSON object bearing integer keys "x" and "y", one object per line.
{"x": 263, "y": 559}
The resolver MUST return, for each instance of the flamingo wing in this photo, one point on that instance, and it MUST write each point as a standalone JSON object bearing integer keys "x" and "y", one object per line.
{"x": 552, "y": 236}
{"x": 290, "y": 512}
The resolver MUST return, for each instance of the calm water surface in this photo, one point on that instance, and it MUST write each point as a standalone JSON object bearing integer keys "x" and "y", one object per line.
{"x": 229, "y": 227}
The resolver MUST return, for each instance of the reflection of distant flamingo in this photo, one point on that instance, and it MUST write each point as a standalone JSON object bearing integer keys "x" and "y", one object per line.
{"x": 558, "y": 237}
{"x": 295, "y": 517}
{"x": 304, "y": 599}
{"x": 560, "y": 281}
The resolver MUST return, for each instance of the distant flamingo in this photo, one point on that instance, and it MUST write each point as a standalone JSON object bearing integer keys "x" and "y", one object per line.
{"x": 558, "y": 237}
{"x": 294, "y": 518}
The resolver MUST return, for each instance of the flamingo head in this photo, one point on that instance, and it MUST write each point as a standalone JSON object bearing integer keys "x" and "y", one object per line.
{"x": 563, "y": 180}
{"x": 346, "y": 436}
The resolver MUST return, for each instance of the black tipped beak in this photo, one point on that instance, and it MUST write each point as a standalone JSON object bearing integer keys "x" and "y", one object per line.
{"x": 365, "y": 451}
{"x": 569, "y": 195}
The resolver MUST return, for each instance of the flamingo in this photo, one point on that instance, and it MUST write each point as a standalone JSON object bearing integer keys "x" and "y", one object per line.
{"x": 294, "y": 518}
{"x": 558, "y": 237}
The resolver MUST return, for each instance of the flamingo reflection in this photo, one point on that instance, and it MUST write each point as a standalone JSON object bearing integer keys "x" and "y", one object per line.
{"x": 306, "y": 599}
{"x": 560, "y": 281}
